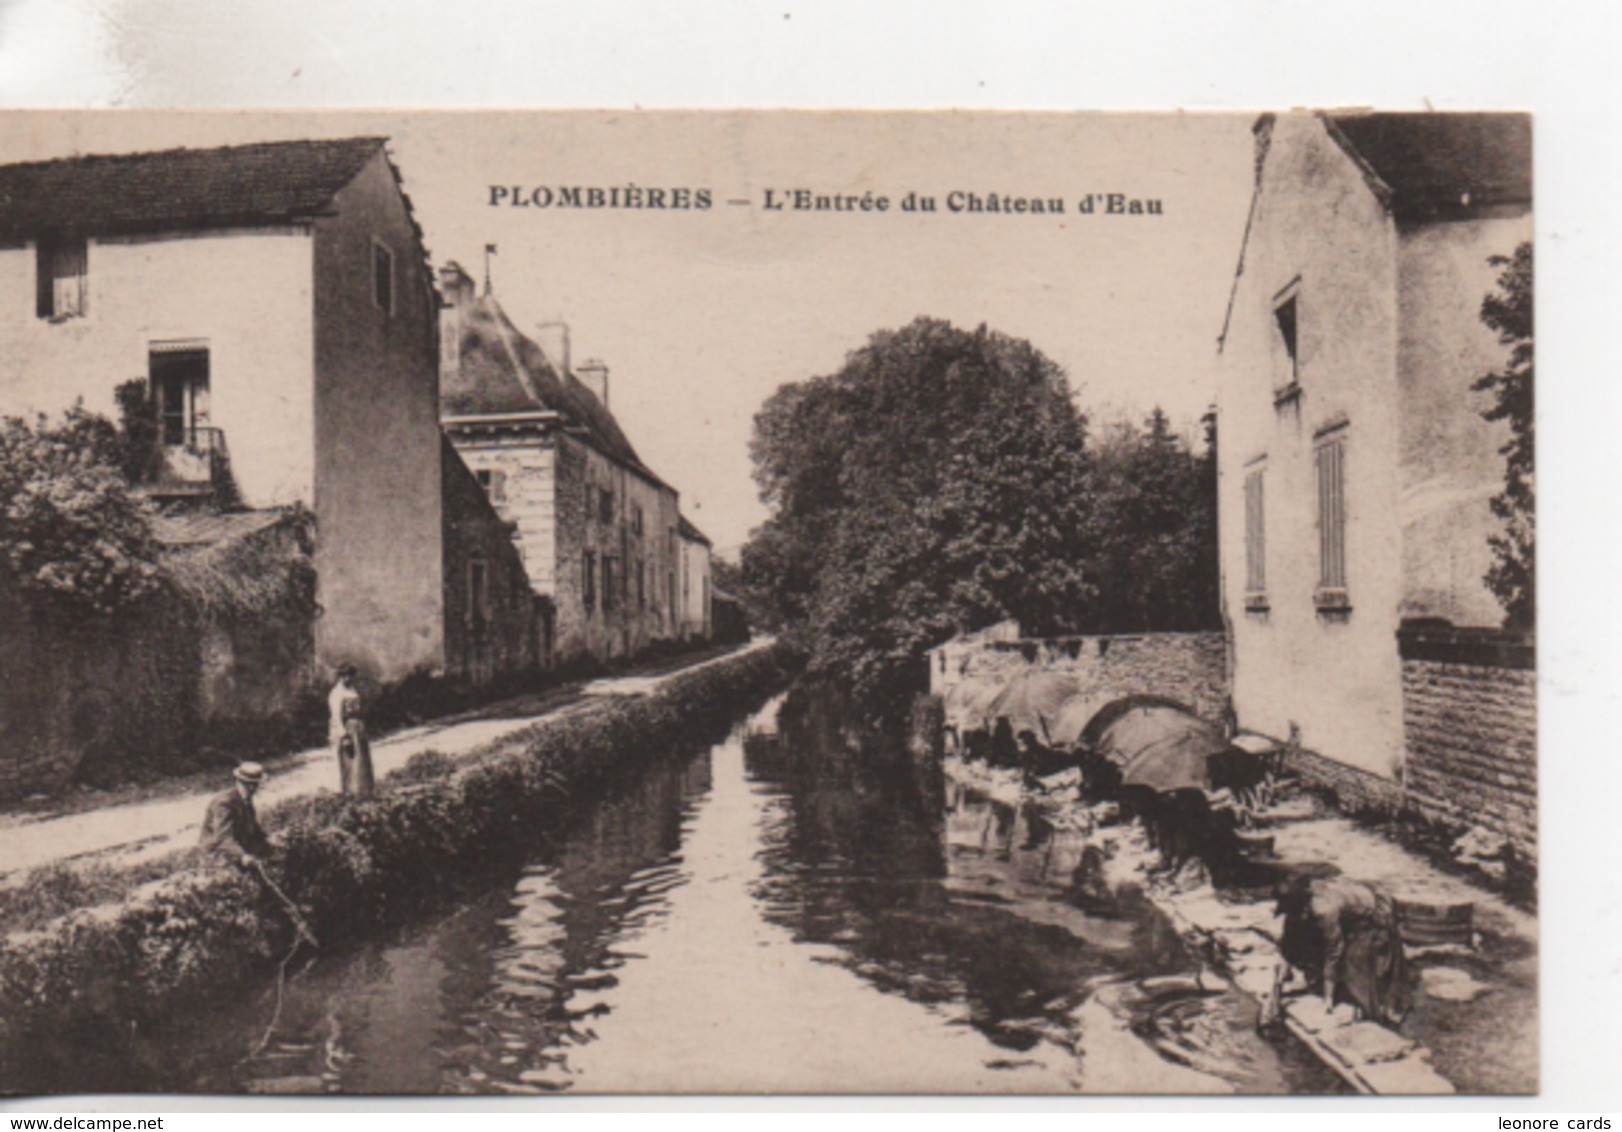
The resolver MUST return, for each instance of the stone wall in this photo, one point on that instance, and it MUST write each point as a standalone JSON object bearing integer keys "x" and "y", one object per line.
{"x": 1470, "y": 718}
{"x": 163, "y": 685}
{"x": 72, "y": 687}
{"x": 1353, "y": 789}
{"x": 1188, "y": 667}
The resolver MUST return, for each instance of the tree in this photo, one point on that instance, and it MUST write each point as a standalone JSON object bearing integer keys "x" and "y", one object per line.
{"x": 1508, "y": 310}
{"x": 935, "y": 484}
{"x": 1157, "y": 544}
{"x": 70, "y": 530}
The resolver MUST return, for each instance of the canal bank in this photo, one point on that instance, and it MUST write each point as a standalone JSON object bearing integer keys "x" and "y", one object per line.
{"x": 96, "y": 977}
{"x": 788, "y": 909}
{"x": 1475, "y": 999}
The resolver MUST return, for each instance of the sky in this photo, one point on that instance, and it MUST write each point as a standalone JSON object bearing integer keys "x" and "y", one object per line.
{"x": 702, "y": 314}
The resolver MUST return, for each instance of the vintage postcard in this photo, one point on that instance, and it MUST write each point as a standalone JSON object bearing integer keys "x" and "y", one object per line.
{"x": 767, "y": 602}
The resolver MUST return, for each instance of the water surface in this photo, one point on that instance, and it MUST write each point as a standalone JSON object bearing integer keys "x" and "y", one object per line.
{"x": 784, "y": 912}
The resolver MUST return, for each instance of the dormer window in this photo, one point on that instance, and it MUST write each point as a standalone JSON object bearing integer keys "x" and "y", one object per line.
{"x": 383, "y": 277}
{"x": 61, "y": 267}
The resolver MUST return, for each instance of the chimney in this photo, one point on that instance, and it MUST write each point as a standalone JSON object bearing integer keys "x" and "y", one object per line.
{"x": 456, "y": 288}
{"x": 593, "y": 374}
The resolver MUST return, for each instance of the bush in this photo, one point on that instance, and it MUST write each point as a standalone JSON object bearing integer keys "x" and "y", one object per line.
{"x": 354, "y": 866}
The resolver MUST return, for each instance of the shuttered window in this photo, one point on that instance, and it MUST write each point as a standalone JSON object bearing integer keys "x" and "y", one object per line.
{"x": 1331, "y": 466}
{"x": 62, "y": 266}
{"x": 1255, "y": 535}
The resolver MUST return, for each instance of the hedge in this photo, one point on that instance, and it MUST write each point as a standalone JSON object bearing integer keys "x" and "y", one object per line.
{"x": 353, "y": 867}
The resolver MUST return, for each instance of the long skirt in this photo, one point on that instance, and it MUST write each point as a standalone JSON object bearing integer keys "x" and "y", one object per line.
{"x": 355, "y": 761}
{"x": 1374, "y": 972}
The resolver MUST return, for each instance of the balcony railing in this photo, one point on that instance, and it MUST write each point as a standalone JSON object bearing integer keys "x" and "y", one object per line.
{"x": 187, "y": 460}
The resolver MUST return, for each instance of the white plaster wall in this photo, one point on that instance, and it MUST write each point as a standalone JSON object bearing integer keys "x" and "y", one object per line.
{"x": 246, "y": 293}
{"x": 378, "y": 501}
{"x": 1451, "y": 464}
{"x": 1338, "y": 678}
{"x": 695, "y": 572}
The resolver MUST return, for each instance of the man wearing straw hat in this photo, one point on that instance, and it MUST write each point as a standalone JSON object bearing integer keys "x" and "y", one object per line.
{"x": 231, "y": 827}
{"x": 231, "y": 831}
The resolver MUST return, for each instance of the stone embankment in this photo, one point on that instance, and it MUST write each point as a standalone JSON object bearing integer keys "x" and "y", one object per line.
{"x": 106, "y": 974}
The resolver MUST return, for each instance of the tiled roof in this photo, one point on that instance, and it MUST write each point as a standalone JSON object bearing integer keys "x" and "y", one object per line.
{"x": 169, "y": 190}
{"x": 502, "y": 371}
{"x": 1440, "y": 165}
{"x": 202, "y": 529}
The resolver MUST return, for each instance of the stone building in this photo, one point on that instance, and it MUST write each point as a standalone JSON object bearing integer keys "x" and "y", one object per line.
{"x": 266, "y": 314}
{"x": 600, "y": 534}
{"x": 1356, "y": 468}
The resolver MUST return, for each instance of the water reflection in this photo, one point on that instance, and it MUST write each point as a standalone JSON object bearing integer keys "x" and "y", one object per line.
{"x": 798, "y": 909}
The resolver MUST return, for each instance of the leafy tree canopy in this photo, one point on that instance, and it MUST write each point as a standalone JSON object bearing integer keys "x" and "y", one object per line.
{"x": 942, "y": 481}
{"x": 1157, "y": 535}
{"x": 1508, "y": 310}
{"x": 936, "y": 483}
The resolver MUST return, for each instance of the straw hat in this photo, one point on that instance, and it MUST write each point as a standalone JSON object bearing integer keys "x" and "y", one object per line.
{"x": 251, "y": 773}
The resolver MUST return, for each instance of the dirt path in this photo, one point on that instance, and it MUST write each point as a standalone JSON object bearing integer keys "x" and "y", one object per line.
{"x": 144, "y": 830}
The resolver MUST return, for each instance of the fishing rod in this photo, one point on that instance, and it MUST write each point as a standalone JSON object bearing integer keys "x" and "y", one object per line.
{"x": 304, "y": 935}
{"x": 300, "y": 925}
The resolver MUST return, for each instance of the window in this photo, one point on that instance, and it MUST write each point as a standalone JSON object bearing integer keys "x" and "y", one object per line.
{"x": 636, "y": 519}
{"x": 641, "y": 584}
{"x": 1255, "y": 540}
{"x": 1286, "y": 343}
{"x": 1330, "y": 459}
{"x": 382, "y": 277}
{"x": 610, "y": 571}
{"x": 178, "y": 375}
{"x": 605, "y": 505}
{"x": 61, "y": 267}
{"x": 588, "y": 581}
{"x": 494, "y": 482}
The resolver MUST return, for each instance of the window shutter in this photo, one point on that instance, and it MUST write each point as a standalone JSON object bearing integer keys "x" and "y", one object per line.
{"x": 1332, "y": 515}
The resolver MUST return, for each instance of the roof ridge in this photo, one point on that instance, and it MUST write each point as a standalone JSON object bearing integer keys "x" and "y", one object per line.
{"x": 143, "y": 154}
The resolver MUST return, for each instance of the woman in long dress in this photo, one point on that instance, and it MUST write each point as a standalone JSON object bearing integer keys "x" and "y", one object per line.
{"x": 347, "y": 731}
{"x": 1343, "y": 936}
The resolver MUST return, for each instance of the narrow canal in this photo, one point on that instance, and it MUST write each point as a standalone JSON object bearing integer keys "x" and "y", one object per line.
{"x": 774, "y": 914}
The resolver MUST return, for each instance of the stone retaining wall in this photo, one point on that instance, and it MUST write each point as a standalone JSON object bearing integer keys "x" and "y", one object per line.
{"x": 1470, "y": 722}
{"x": 1353, "y": 789}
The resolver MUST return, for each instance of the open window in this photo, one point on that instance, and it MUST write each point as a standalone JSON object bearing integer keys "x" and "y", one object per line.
{"x": 178, "y": 373}
{"x": 494, "y": 482}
